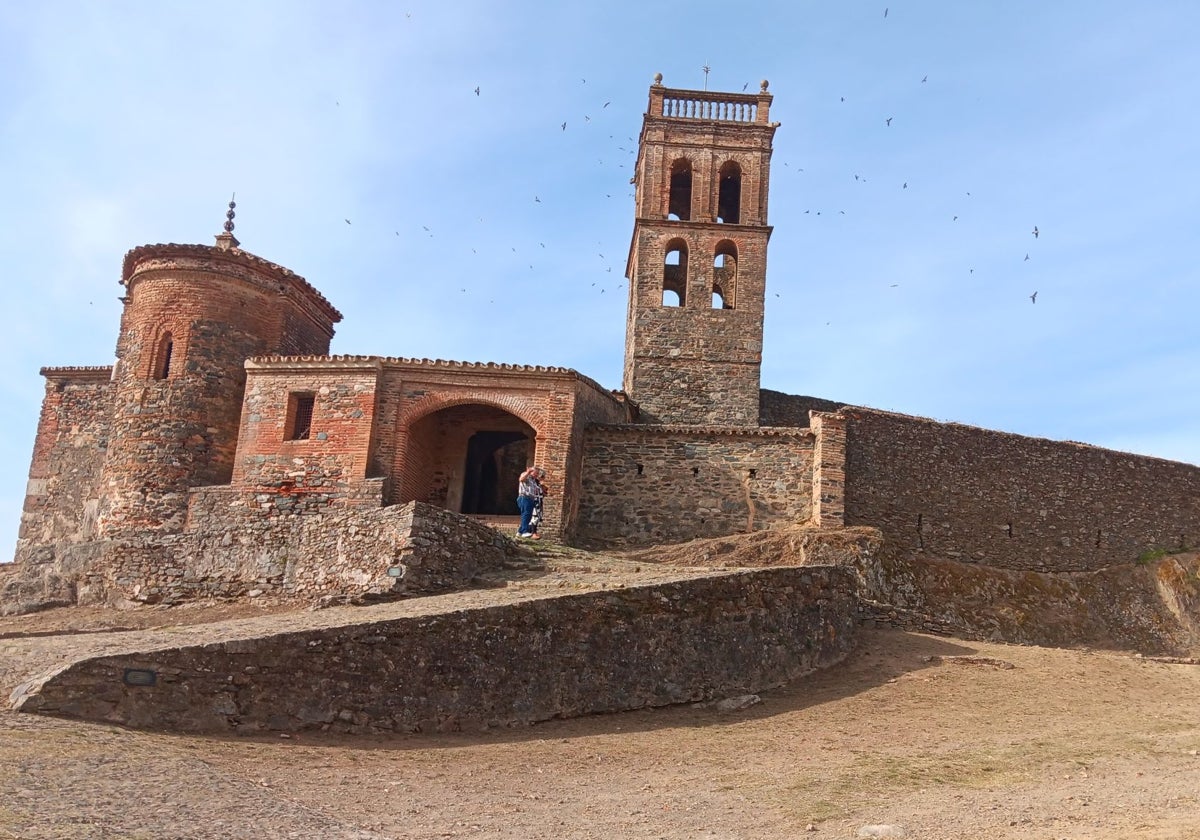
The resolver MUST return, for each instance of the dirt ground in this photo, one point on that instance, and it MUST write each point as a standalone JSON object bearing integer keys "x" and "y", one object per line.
{"x": 938, "y": 737}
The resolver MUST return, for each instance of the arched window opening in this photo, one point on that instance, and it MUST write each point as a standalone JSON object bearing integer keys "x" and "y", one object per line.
{"x": 729, "y": 194}
{"x": 725, "y": 275}
{"x": 162, "y": 358}
{"x": 679, "y": 205}
{"x": 675, "y": 274}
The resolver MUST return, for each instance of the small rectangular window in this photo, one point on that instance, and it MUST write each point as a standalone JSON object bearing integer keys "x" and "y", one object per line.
{"x": 300, "y": 412}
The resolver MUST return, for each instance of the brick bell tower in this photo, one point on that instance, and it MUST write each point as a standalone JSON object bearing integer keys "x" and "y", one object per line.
{"x": 698, "y": 259}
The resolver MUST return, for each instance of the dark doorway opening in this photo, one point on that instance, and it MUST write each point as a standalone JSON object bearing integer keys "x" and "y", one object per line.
{"x": 495, "y": 461}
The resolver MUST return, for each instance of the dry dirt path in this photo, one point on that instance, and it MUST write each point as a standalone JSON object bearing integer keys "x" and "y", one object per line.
{"x": 938, "y": 736}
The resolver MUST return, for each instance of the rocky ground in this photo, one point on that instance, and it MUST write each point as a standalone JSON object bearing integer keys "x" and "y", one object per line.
{"x": 935, "y": 737}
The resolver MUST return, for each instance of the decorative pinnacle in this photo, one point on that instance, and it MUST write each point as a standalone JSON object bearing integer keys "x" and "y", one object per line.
{"x": 763, "y": 89}
{"x": 658, "y": 78}
{"x": 227, "y": 240}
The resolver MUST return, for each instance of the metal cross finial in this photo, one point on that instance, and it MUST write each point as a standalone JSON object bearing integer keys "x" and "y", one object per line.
{"x": 706, "y": 68}
{"x": 229, "y": 214}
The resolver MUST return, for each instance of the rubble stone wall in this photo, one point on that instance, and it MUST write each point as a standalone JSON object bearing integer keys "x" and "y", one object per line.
{"x": 979, "y": 496}
{"x": 62, "y": 495}
{"x": 471, "y": 669}
{"x": 648, "y": 484}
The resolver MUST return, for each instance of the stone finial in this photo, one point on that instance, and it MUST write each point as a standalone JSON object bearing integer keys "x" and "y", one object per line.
{"x": 227, "y": 240}
{"x": 763, "y": 86}
{"x": 658, "y": 79}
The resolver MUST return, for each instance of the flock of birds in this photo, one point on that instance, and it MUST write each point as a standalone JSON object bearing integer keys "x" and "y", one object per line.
{"x": 619, "y": 157}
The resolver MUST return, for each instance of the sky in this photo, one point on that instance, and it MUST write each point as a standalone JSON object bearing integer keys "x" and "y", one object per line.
{"x": 920, "y": 144}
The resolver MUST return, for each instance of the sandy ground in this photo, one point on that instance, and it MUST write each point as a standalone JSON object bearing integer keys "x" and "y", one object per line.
{"x": 938, "y": 737}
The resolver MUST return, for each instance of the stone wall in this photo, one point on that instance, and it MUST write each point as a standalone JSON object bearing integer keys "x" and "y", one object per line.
{"x": 978, "y": 496}
{"x": 470, "y": 669}
{"x": 235, "y": 547}
{"x": 344, "y": 552}
{"x": 647, "y": 484}
{"x": 778, "y": 409}
{"x": 68, "y": 453}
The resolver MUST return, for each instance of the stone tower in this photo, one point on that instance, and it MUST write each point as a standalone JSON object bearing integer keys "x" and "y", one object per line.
{"x": 193, "y": 315}
{"x": 697, "y": 263}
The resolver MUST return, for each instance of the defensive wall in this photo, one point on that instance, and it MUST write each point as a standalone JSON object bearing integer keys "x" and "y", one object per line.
{"x": 423, "y": 665}
{"x": 661, "y": 484}
{"x": 977, "y": 496}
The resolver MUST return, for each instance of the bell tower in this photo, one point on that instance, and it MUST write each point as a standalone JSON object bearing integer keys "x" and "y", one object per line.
{"x": 698, "y": 259}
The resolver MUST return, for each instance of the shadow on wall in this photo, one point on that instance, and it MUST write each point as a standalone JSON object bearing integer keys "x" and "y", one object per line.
{"x": 1151, "y": 607}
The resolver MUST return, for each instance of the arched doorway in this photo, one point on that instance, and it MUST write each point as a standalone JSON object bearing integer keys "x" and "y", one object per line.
{"x": 466, "y": 458}
{"x": 495, "y": 461}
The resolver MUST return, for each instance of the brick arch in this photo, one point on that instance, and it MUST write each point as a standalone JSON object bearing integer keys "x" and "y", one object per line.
{"x": 428, "y": 474}
{"x": 518, "y": 406}
{"x": 152, "y": 347}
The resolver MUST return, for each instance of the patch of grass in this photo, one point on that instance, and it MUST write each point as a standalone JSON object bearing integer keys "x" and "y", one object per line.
{"x": 1150, "y": 555}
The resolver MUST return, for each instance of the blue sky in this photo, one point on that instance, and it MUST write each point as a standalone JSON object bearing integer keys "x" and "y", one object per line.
{"x": 128, "y": 123}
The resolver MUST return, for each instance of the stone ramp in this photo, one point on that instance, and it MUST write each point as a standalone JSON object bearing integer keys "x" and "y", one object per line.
{"x": 488, "y": 658}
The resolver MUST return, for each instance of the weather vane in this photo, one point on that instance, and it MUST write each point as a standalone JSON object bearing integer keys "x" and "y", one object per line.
{"x": 706, "y": 68}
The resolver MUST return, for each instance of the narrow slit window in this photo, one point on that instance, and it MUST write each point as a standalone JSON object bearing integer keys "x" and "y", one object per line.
{"x": 162, "y": 359}
{"x": 300, "y": 414}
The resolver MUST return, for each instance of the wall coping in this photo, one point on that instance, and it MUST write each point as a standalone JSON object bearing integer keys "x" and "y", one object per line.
{"x": 89, "y": 372}
{"x": 344, "y": 362}
{"x": 850, "y": 410}
{"x": 700, "y": 431}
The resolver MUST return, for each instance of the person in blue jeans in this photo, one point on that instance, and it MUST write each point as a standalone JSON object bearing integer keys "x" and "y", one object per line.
{"x": 529, "y": 499}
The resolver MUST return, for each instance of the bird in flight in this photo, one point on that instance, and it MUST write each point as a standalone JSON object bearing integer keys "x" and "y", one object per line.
{"x": 347, "y": 221}
{"x": 1033, "y": 297}
{"x": 1026, "y": 258}
{"x": 477, "y": 90}
{"x": 745, "y": 86}
{"x": 1035, "y": 232}
{"x": 904, "y": 186}
{"x": 885, "y": 12}
{"x": 888, "y": 121}
{"x": 564, "y": 126}
{"x": 924, "y": 79}
{"x": 536, "y": 199}
{"x": 606, "y": 104}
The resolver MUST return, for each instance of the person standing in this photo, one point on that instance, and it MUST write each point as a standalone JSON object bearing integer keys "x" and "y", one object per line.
{"x": 529, "y": 499}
